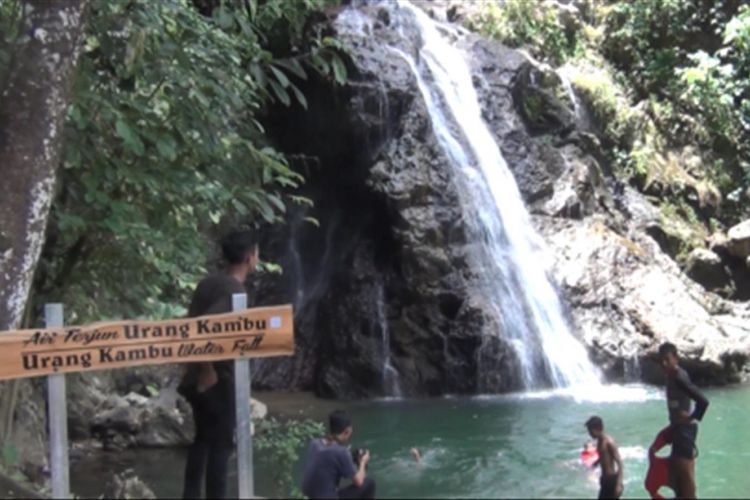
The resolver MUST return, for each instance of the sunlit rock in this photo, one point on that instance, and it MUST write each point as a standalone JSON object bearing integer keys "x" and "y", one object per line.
{"x": 739, "y": 240}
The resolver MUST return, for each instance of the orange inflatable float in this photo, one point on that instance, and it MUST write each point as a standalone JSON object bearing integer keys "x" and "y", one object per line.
{"x": 658, "y": 467}
{"x": 589, "y": 457}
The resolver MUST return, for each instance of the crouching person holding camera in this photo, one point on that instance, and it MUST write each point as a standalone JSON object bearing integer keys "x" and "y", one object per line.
{"x": 329, "y": 460}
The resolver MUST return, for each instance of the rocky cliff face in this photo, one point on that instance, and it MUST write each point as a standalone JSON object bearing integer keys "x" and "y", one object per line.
{"x": 387, "y": 282}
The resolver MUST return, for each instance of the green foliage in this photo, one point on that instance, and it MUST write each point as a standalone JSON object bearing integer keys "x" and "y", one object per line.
{"x": 719, "y": 86}
{"x": 691, "y": 60}
{"x": 646, "y": 38}
{"x": 667, "y": 87}
{"x": 681, "y": 223}
{"x": 525, "y": 23}
{"x": 11, "y": 16}
{"x": 163, "y": 147}
{"x": 608, "y": 102}
{"x": 281, "y": 443}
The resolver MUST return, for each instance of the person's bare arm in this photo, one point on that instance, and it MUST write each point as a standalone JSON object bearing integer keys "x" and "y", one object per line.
{"x": 359, "y": 477}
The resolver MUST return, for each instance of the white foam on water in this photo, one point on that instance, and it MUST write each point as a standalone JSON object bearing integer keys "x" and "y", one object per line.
{"x": 594, "y": 393}
{"x": 638, "y": 453}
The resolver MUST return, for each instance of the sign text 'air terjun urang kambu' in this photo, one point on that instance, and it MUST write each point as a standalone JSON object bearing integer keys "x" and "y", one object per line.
{"x": 259, "y": 332}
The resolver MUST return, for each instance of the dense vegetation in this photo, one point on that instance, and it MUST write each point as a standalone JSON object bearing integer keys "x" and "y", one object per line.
{"x": 667, "y": 82}
{"x": 163, "y": 150}
{"x": 280, "y": 443}
{"x": 163, "y": 147}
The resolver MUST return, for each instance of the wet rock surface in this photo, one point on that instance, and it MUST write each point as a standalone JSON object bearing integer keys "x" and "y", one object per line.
{"x": 127, "y": 485}
{"x": 627, "y": 297}
{"x": 138, "y": 421}
{"x": 394, "y": 230}
{"x": 706, "y": 267}
{"x": 390, "y": 273}
{"x": 394, "y": 278}
{"x": 108, "y": 414}
{"x": 738, "y": 242}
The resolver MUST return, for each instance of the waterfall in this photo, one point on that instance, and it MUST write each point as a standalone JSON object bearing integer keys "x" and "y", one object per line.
{"x": 632, "y": 369}
{"x": 565, "y": 80}
{"x": 391, "y": 380}
{"x": 583, "y": 117}
{"x": 631, "y": 364}
{"x": 527, "y": 304}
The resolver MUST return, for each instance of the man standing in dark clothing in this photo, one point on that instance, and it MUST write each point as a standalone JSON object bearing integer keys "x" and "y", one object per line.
{"x": 209, "y": 387}
{"x": 329, "y": 460}
{"x": 683, "y": 421}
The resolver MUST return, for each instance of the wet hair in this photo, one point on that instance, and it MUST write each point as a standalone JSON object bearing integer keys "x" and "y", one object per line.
{"x": 338, "y": 422}
{"x": 595, "y": 424}
{"x": 236, "y": 245}
{"x": 667, "y": 348}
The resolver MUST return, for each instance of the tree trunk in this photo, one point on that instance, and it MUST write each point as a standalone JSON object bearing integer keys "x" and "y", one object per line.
{"x": 32, "y": 112}
{"x": 33, "y": 104}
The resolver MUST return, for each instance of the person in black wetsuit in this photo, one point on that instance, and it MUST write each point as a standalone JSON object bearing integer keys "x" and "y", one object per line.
{"x": 683, "y": 421}
{"x": 209, "y": 387}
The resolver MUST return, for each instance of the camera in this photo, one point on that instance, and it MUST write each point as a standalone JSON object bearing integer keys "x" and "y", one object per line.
{"x": 357, "y": 455}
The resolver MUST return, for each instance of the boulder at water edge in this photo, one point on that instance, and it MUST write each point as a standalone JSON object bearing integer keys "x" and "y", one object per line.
{"x": 739, "y": 240}
{"x": 706, "y": 267}
{"x": 127, "y": 485}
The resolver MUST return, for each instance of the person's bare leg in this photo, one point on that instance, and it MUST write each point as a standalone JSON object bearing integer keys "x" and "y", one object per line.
{"x": 689, "y": 488}
{"x": 684, "y": 477}
{"x": 675, "y": 476}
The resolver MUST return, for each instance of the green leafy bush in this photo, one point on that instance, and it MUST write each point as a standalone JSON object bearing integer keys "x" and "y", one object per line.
{"x": 691, "y": 60}
{"x": 718, "y": 86}
{"x": 281, "y": 443}
{"x": 163, "y": 147}
{"x": 532, "y": 24}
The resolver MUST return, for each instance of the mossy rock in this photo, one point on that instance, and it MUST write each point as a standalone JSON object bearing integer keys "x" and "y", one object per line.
{"x": 542, "y": 102}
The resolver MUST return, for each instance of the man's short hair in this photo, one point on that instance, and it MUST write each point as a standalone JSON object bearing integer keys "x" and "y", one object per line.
{"x": 595, "y": 424}
{"x": 338, "y": 422}
{"x": 667, "y": 348}
{"x": 236, "y": 245}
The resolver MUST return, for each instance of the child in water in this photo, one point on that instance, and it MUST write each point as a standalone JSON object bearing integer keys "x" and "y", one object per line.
{"x": 610, "y": 483}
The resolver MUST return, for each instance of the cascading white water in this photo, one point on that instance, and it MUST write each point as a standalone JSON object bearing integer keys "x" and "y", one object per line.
{"x": 391, "y": 379}
{"x": 565, "y": 80}
{"x": 526, "y": 302}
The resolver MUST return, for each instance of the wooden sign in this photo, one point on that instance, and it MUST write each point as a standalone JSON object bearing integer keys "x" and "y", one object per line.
{"x": 251, "y": 333}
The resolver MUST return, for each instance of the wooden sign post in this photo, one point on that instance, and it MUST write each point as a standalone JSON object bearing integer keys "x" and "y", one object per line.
{"x": 244, "y": 417}
{"x": 57, "y": 409}
{"x": 55, "y": 350}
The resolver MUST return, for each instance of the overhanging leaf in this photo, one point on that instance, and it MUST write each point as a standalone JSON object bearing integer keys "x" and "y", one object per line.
{"x": 299, "y": 96}
{"x": 280, "y": 93}
{"x": 293, "y": 66}
{"x": 280, "y": 76}
{"x": 339, "y": 69}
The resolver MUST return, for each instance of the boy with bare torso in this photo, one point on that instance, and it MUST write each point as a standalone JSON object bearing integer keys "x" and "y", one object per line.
{"x": 610, "y": 483}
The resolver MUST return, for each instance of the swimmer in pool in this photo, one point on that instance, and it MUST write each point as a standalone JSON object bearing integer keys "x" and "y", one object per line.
{"x": 416, "y": 455}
